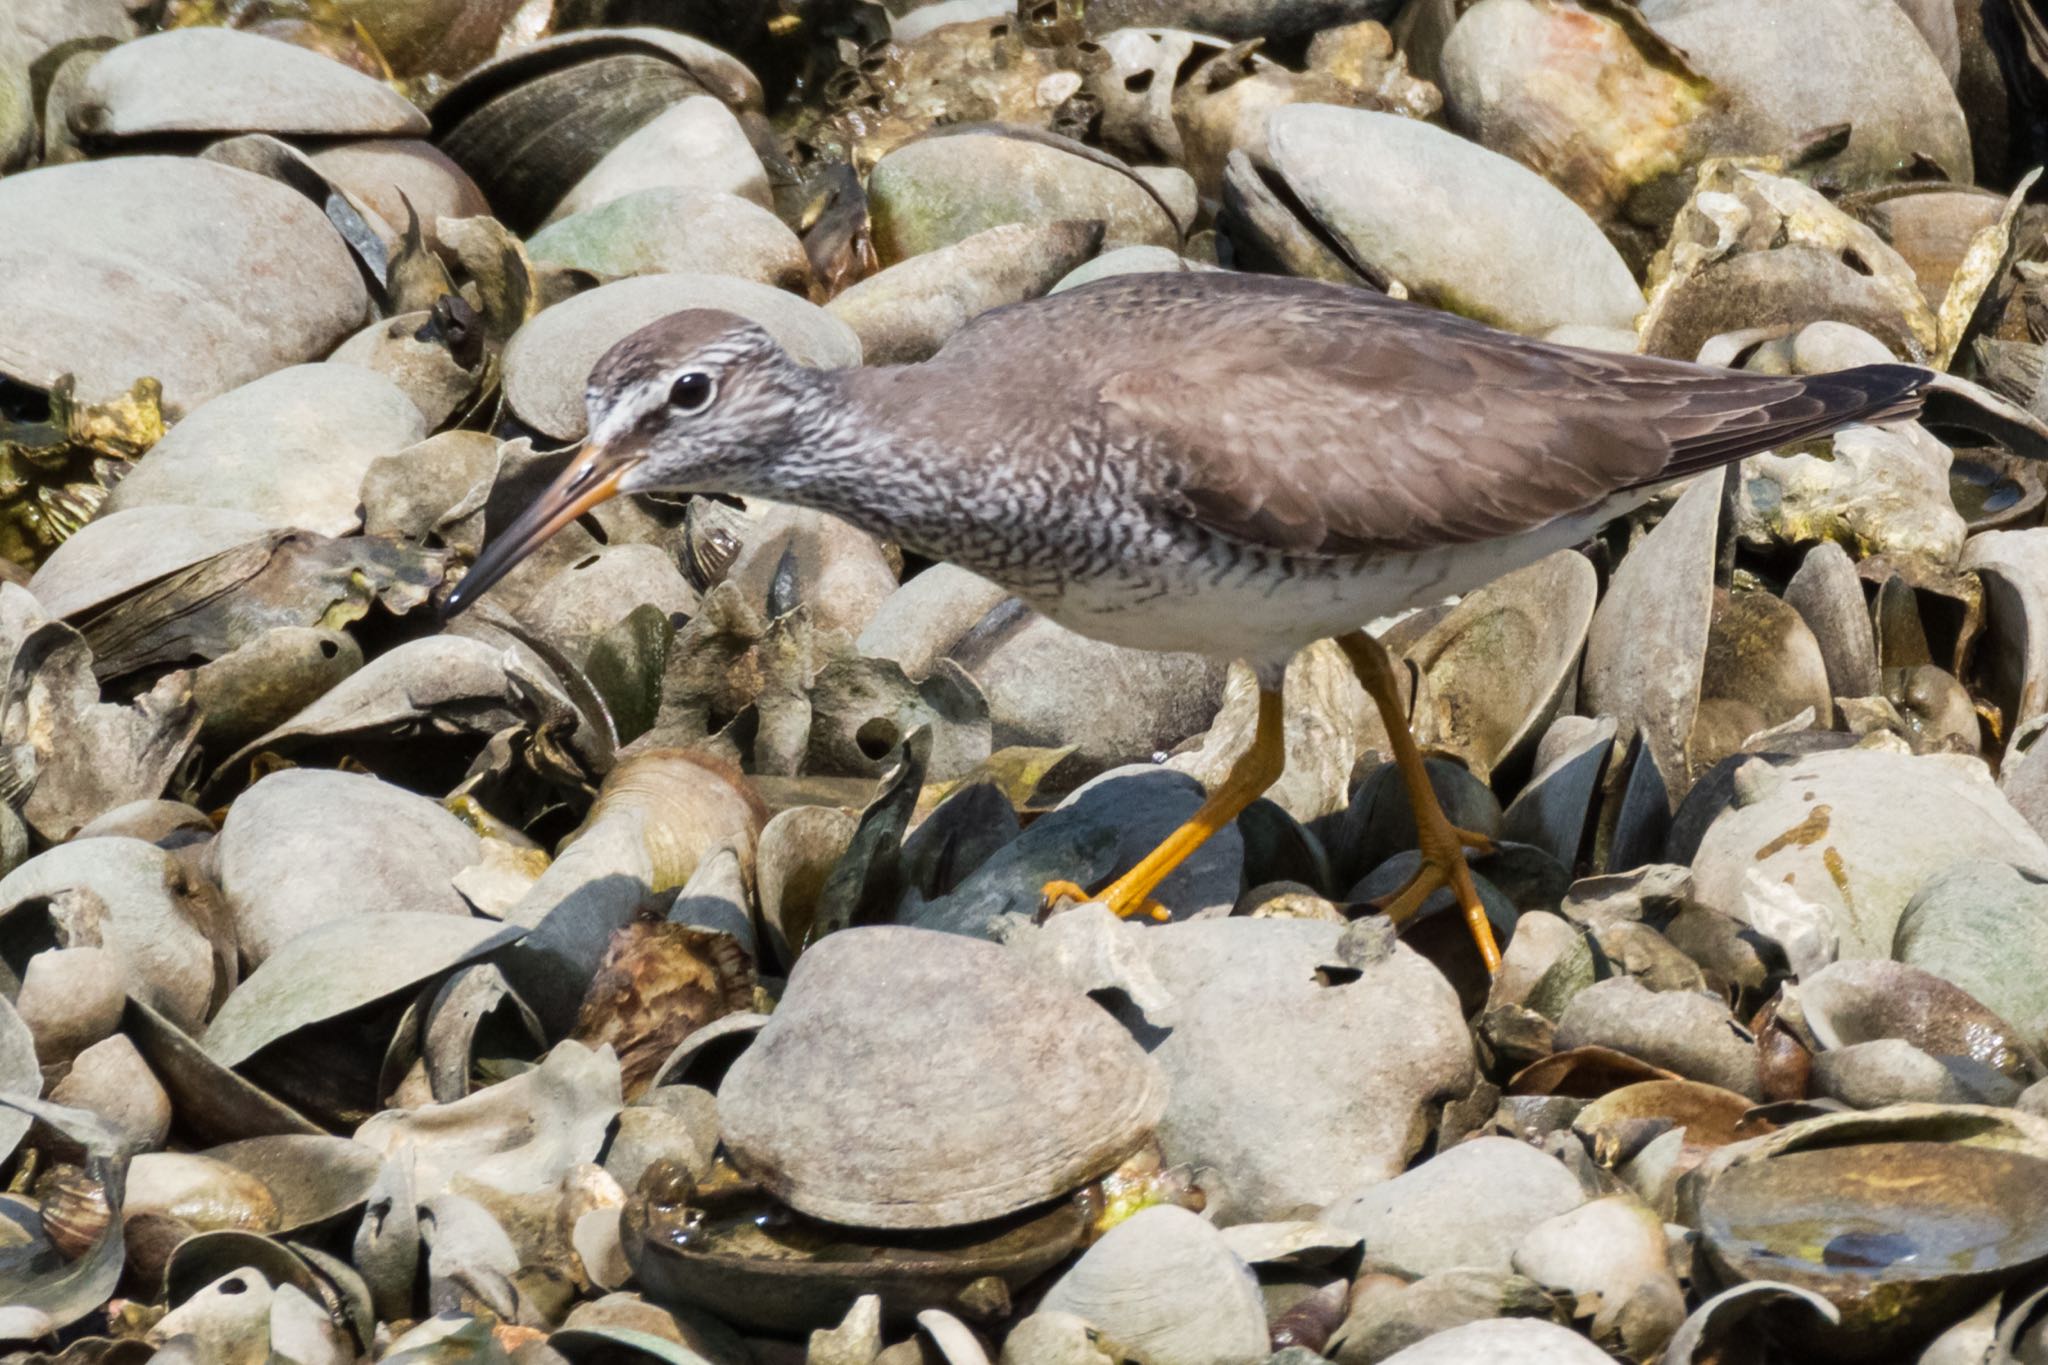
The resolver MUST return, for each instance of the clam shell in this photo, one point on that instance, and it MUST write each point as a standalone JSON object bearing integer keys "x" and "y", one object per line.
{"x": 118, "y": 552}
{"x": 695, "y": 144}
{"x": 1505, "y": 661}
{"x": 1452, "y": 221}
{"x": 303, "y": 848}
{"x": 133, "y": 899}
{"x": 222, "y": 80}
{"x": 1646, "y": 648}
{"x": 228, "y": 277}
{"x": 1899, "y": 1236}
{"x": 290, "y": 448}
{"x": 1008, "y": 1116}
{"x": 548, "y": 361}
{"x": 529, "y": 125}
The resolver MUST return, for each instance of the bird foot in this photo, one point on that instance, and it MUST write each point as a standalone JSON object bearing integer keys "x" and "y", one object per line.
{"x": 1443, "y": 864}
{"x": 1123, "y": 907}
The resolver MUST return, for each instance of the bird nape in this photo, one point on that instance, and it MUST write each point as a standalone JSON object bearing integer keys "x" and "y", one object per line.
{"x": 1236, "y": 465}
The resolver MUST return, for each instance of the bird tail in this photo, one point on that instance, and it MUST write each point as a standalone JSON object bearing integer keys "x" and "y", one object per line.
{"x": 1867, "y": 394}
{"x": 1822, "y": 403}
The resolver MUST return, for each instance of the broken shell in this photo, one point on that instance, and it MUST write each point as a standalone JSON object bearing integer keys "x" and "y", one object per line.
{"x": 1043, "y": 1139}
{"x": 131, "y": 898}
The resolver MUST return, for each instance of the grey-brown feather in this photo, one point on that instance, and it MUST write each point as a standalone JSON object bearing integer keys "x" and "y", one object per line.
{"x": 1312, "y": 420}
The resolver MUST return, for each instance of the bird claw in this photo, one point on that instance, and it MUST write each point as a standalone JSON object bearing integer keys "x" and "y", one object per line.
{"x": 1123, "y": 907}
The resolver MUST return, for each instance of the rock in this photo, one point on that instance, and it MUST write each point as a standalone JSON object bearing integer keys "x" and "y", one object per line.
{"x": 1126, "y": 260}
{"x": 1889, "y": 1071}
{"x": 290, "y": 448}
{"x": 71, "y": 999}
{"x": 223, "y": 80}
{"x": 385, "y": 173}
{"x": 1844, "y": 839}
{"x": 1609, "y": 1257}
{"x": 1387, "y": 1316}
{"x": 1467, "y": 1207}
{"x": 1047, "y": 685}
{"x": 303, "y": 847}
{"x": 919, "y": 623}
{"x": 1460, "y": 226}
{"x": 408, "y": 351}
{"x": 905, "y": 313}
{"x": 1983, "y": 926}
{"x": 228, "y": 277}
{"x": 1025, "y": 1088}
{"x": 573, "y": 608}
{"x": 1162, "y": 1283}
{"x": 669, "y": 229}
{"x": 1683, "y": 1031}
{"x": 1296, "y": 1085}
{"x": 937, "y": 191}
{"x": 110, "y": 1079}
{"x": 695, "y": 144}
{"x": 1503, "y": 1341}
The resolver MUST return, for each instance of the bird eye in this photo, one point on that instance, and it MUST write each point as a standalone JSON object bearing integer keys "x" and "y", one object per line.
{"x": 692, "y": 392}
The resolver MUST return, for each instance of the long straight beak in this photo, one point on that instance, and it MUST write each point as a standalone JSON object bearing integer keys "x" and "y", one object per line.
{"x": 592, "y": 476}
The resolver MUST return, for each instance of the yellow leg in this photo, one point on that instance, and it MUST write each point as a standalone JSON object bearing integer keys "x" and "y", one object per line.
{"x": 1256, "y": 769}
{"x": 1443, "y": 844}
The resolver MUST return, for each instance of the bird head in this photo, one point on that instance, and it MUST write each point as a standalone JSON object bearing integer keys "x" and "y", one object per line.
{"x": 700, "y": 401}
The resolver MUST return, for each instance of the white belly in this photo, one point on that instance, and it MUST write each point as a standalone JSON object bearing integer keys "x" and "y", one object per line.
{"x": 1230, "y": 610}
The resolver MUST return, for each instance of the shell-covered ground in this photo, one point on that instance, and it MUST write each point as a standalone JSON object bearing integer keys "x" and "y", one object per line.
{"x": 650, "y": 963}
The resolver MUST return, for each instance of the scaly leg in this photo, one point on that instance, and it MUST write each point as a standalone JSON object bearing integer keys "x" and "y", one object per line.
{"x": 1443, "y": 844}
{"x": 1256, "y": 769}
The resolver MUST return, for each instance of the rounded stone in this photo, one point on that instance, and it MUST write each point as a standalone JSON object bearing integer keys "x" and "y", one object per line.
{"x": 290, "y": 448}
{"x": 304, "y": 846}
{"x": 111, "y": 1079}
{"x": 666, "y": 229}
{"x": 937, "y": 191}
{"x": 1466, "y": 1207}
{"x": 916, "y": 1079}
{"x": 227, "y": 277}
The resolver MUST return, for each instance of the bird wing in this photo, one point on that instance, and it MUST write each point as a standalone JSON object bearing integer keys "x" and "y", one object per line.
{"x": 1340, "y": 424}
